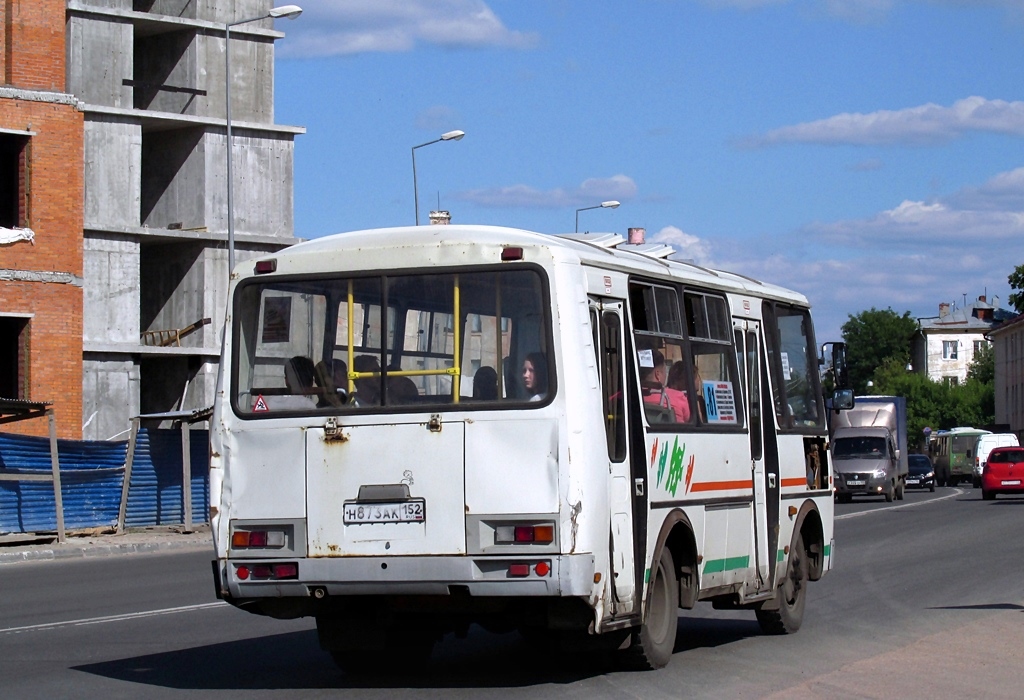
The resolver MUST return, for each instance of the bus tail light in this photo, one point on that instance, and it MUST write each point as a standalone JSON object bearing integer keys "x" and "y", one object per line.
{"x": 257, "y": 539}
{"x": 519, "y": 570}
{"x": 280, "y": 571}
{"x": 524, "y": 534}
{"x": 524, "y": 569}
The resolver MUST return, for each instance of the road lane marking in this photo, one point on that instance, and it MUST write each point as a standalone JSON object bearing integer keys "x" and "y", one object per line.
{"x": 959, "y": 492}
{"x": 112, "y": 618}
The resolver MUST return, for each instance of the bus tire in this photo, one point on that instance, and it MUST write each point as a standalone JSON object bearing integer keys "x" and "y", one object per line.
{"x": 652, "y": 644}
{"x": 787, "y": 610}
{"x": 900, "y": 489}
{"x": 890, "y": 493}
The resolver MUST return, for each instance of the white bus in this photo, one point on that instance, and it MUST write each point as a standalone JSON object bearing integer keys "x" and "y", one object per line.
{"x": 423, "y": 428}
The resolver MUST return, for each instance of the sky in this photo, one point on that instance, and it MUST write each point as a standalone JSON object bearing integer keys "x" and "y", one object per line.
{"x": 866, "y": 153}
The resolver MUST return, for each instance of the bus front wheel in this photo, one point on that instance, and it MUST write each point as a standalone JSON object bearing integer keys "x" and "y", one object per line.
{"x": 786, "y": 612}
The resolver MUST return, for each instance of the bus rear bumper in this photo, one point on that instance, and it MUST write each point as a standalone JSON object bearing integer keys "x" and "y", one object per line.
{"x": 567, "y": 575}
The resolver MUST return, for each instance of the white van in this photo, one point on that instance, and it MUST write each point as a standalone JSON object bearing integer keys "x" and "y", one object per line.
{"x": 987, "y": 443}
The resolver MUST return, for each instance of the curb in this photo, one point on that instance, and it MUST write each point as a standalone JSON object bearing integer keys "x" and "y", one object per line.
{"x": 89, "y": 550}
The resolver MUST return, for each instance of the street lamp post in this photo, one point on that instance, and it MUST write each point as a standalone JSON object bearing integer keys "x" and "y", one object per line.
{"x": 447, "y": 136}
{"x": 282, "y": 12}
{"x": 611, "y": 204}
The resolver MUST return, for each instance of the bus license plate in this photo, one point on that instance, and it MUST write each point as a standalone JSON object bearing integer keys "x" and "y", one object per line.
{"x": 855, "y": 482}
{"x": 414, "y": 511}
{"x": 1015, "y": 482}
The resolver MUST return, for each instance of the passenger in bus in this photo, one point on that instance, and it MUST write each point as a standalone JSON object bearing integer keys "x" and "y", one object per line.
{"x": 485, "y": 384}
{"x": 298, "y": 381}
{"x": 402, "y": 390}
{"x": 367, "y": 391}
{"x": 332, "y": 378}
{"x": 652, "y": 385}
{"x": 535, "y": 375}
{"x": 677, "y": 382}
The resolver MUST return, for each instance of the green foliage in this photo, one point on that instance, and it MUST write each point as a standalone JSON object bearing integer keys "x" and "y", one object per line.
{"x": 1016, "y": 280}
{"x": 874, "y": 337}
{"x": 937, "y": 405}
{"x": 983, "y": 366}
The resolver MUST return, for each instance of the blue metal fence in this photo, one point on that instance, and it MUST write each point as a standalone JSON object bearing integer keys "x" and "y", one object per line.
{"x": 92, "y": 475}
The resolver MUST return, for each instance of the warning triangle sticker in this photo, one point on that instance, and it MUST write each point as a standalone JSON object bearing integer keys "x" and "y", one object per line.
{"x": 260, "y": 406}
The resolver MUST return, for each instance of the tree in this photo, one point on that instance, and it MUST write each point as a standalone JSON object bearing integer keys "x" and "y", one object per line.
{"x": 983, "y": 366}
{"x": 873, "y": 337}
{"x": 1016, "y": 280}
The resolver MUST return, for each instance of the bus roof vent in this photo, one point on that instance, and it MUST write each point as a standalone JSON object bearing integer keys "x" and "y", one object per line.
{"x": 651, "y": 250}
{"x": 601, "y": 240}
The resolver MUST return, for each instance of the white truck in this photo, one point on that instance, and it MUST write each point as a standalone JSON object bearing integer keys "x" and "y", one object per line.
{"x": 869, "y": 448}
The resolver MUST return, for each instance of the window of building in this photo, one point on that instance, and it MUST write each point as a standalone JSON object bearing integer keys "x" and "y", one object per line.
{"x": 949, "y": 348}
{"x": 14, "y": 358}
{"x": 12, "y": 180}
{"x": 978, "y": 345}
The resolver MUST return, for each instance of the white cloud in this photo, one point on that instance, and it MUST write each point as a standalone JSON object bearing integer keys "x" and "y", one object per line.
{"x": 688, "y": 246}
{"x": 591, "y": 191}
{"x": 921, "y": 125}
{"x": 910, "y": 257}
{"x": 336, "y": 27}
{"x": 1004, "y": 192}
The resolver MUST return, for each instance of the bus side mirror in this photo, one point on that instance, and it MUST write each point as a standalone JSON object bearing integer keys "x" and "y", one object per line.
{"x": 842, "y": 399}
{"x": 837, "y": 363}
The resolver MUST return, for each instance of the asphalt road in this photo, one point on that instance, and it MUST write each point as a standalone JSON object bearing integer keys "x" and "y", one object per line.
{"x": 926, "y": 601}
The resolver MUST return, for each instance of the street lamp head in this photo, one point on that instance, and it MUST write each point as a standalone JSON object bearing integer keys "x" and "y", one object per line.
{"x": 612, "y": 204}
{"x": 285, "y": 12}
{"x": 452, "y": 135}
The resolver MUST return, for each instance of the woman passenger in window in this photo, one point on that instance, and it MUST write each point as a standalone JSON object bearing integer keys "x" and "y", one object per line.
{"x": 535, "y": 375}
{"x": 652, "y": 384}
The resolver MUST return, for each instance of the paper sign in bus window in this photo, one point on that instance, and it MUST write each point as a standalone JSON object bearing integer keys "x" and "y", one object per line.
{"x": 786, "y": 372}
{"x": 721, "y": 402}
{"x": 277, "y": 319}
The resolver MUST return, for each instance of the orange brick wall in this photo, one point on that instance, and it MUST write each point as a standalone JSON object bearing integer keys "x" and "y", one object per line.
{"x": 33, "y": 44}
{"x": 55, "y": 351}
{"x": 55, "y": 214}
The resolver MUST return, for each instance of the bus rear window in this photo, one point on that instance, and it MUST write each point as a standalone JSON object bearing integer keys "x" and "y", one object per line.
{"x": 401, "y": 342}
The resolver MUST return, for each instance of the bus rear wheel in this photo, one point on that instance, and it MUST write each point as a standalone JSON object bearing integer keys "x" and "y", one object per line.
{"x": 787, "y": 610}
{"x": 652, "y": 645}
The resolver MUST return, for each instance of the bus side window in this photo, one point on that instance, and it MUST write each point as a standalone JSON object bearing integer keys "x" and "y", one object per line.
{"x": 612, "y": 388}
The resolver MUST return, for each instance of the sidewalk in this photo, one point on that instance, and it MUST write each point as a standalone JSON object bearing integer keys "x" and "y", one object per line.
{"x": 102, "y": 542}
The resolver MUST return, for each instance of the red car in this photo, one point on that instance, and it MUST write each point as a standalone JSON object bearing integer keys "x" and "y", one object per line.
{"x": 1004, "y": 472}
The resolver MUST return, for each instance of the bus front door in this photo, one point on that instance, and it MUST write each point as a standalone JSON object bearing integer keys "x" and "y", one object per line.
{"x": 764, "y": 466}
{"x": 610, "y": 343}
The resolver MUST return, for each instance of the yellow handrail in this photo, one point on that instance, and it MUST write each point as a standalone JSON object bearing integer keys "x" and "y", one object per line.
{"x": 351, "y": 340}
{"x": 457, "y": 381}
{"x": 455, "y": 371}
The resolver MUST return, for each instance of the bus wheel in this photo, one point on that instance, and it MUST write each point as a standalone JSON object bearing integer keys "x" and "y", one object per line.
{"x": 652, "y": 645}
{"x": 787, "y": 613}
{"x": 900, "y": 489}
{"x": 890, "y": 492}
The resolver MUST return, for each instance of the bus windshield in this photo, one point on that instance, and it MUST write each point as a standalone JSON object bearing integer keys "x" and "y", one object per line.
{"x": 356, "y": 344}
